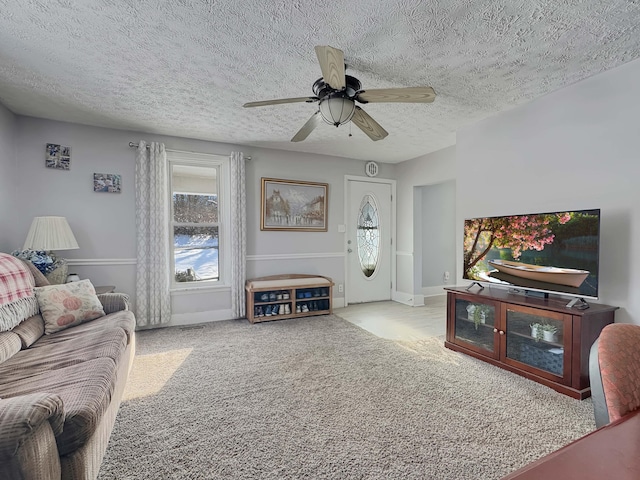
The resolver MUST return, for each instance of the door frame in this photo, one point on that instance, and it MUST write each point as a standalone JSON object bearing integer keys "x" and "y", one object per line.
{"x": 392, "y": 253}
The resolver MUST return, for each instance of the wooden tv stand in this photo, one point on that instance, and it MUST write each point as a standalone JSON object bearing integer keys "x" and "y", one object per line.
{"x": 495, "y": 326}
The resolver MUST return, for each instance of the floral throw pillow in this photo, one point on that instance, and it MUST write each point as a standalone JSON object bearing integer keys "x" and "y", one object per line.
{"x": 67, "y": 305}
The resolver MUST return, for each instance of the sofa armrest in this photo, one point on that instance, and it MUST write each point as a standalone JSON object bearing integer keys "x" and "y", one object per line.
{"x": 29, "y": 425}
{"x": 114, "y": 302}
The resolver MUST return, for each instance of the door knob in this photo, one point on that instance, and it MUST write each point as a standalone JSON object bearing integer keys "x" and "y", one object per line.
{"x": 349, "y": 250}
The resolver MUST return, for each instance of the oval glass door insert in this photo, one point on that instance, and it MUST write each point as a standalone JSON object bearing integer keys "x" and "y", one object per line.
{"x": 368, "y": 236}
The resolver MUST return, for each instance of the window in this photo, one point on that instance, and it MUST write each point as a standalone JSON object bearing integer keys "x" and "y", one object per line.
{"x": 368, "y": 236}
{"x": 198, "y": 219}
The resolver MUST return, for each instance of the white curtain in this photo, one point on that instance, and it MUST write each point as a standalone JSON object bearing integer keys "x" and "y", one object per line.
{"x": 238, "y": 235}
{"x": 153, "y": 303}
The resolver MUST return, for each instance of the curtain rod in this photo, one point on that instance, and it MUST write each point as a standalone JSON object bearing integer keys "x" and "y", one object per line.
{"x": 135, "y": 145}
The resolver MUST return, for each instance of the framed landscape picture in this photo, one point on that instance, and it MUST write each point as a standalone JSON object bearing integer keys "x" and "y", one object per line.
{"x": 292, "y": 205}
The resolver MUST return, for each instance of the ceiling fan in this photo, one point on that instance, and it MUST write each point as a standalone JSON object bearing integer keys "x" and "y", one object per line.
{"x": 337, "y": 93}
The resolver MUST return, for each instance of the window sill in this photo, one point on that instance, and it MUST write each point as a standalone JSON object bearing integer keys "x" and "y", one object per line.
{"x": 199, "y": 289}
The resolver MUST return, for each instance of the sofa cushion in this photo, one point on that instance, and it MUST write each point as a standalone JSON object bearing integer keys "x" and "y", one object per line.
{"x": 30, "y": 330}
{"x": 8, "y": 343}
{"x": 124, "y": 320}
{"x": 85, "y": 390}
{"x": 54, "y": 353}
{"x": 69, "y": 304}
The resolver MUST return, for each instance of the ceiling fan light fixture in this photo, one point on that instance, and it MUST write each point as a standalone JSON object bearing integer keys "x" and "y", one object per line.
{"x": 337, "y": 109}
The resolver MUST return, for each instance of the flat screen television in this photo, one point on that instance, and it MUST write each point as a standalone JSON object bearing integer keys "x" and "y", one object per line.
{"x": 555, "y": 252}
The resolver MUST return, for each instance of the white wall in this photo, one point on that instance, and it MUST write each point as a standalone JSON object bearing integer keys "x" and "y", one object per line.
{"x": 438, "y": 213}
{"x": 576, "y": 148}
{"x": 104, "y": 223}
{"x": 7, "y": 159}
{"x": 271, "y": 253}
{"x": 431, "y": 169}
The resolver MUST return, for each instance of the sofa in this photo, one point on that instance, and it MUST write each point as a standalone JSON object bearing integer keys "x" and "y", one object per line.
{"x": 59, "y": 390}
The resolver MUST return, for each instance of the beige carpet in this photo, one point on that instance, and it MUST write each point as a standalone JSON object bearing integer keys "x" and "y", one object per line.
{"x": 320, "y": 398}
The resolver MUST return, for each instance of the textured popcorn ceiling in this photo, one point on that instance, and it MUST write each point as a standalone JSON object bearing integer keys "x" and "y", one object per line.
{"x": 185, "y": 68}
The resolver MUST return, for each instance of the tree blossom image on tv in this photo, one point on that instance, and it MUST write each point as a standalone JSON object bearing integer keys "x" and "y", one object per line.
{"x": 518, "y": 233}
{"x": 564, "y": 246}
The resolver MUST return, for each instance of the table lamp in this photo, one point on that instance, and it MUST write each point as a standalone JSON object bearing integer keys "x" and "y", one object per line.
{"x": 51, "y": 233}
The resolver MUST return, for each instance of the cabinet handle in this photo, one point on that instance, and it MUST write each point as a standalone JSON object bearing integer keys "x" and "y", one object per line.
{"x": 495, "y": 330}
{"x": 501, "y": 332}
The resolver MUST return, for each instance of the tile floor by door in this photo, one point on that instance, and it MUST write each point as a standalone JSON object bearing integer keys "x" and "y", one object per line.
{"x": 396, "y": 321}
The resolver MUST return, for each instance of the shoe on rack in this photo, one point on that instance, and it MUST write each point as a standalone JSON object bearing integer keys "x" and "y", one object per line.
{"x": 264, "y": 297}
{"x": 285, "y": 296}
{"x": 287, "y": 309}
{"x": 307, "y": 294}
{"x": 305, "y": 308}
{"x": 272, "y": 297}
{"x": 281, "y": 310}
{"x": 298, "y": 309}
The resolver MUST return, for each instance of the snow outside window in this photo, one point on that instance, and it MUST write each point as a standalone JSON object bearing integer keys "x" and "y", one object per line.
{"x": 195, "y": 222}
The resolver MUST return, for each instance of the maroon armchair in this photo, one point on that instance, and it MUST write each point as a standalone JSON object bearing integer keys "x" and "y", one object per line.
{"x": 614, "y": 372}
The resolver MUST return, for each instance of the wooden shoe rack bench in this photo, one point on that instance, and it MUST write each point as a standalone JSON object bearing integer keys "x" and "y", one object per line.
{"x": 277, "y": 297}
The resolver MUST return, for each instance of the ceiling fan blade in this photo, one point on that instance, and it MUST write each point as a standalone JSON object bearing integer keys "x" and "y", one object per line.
{"x": 405, "y": 95}
{"x": 307, "y": 128}
{"x": 332, "y": 66}
{"x": 368, "y": 125}
{"x": 281, "y": 100}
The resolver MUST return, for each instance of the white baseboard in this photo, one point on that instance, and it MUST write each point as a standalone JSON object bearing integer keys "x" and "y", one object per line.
{"x": 407, "y": 298}
{"x": 181, "y": 319}
{"x": 434, "y": 291}
{"x": 200, "y": 317}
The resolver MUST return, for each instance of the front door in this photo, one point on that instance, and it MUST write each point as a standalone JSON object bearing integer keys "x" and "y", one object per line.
{"x": 368, "y": 241}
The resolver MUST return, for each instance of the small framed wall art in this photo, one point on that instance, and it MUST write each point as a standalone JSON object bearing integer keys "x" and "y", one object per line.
{"x": 292, "y": 205}
{"x": 58, "y": 156}
{"x": 107, "y": 182}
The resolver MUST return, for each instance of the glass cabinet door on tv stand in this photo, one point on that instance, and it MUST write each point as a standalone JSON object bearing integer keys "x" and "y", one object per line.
{"x": 475, "y": 325}
{"x": 538, "y": 341}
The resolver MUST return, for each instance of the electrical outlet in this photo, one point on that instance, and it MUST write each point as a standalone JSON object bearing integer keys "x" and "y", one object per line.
{"x": 340, "y": 288}
{"x": 446, "y": 277}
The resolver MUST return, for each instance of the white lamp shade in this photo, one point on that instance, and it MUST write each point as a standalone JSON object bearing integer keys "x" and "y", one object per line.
{"x": 50, "y": 233}
{"x": 337, "y": 110}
